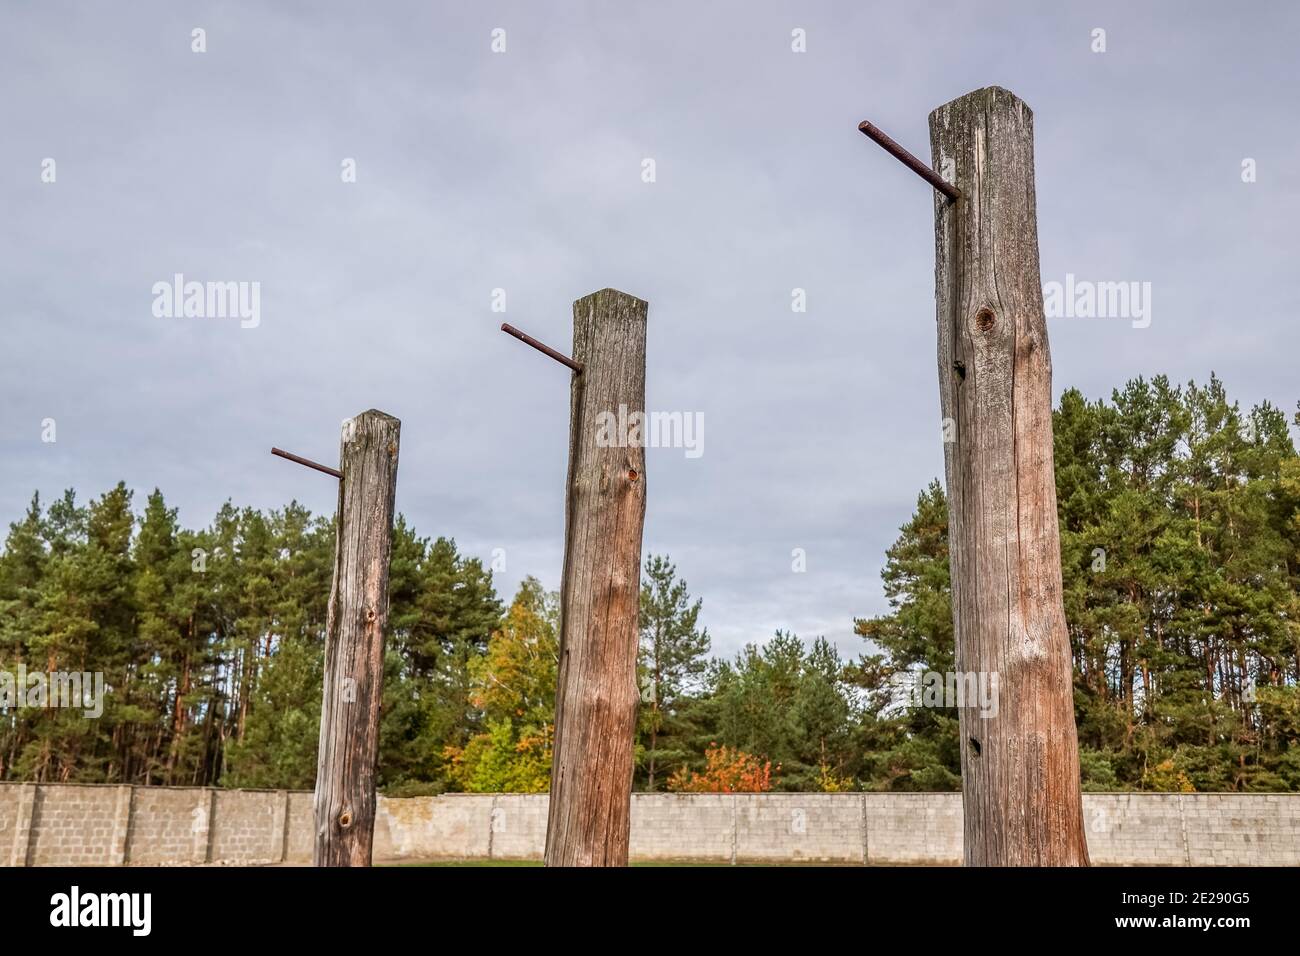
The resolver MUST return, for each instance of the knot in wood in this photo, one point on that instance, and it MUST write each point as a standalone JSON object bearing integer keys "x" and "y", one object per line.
{"x": 985, "y": 320}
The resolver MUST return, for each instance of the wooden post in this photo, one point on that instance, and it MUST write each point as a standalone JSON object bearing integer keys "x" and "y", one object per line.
{"x": 354, "y": 649}
{"x": 596, "y": 697}
{"x": 1020, "y": 768}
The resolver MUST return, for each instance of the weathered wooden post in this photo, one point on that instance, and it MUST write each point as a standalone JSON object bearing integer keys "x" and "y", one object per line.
{"x": 1020, "y": 767}
{"x": 596, "y": 695}
{"x": 354, "y": 649}
{"x": 1019, "y": 757}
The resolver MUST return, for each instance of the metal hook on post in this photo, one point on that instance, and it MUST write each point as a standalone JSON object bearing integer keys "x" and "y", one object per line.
{"x": 307, "y": 462}
{"x": 907, "y": 159}
{"x": 544, "y": 349}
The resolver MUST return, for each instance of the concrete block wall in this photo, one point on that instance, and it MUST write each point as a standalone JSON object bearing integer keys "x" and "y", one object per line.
{"x": 169, "y": 825}
{"x": 687, "y": 826}
{"x": 1237, "y": 829}
{"x": 248, "y": 825}
{"x": 517, "y": 824}
{"x": 77, "y": 826}
{"x": 1123, "y": 829}
{"x": 10, "y": 817}
{"x": 913, "y": 829}
{"x": 1131, "y": 829}
{"x": 813, "y": 827}
{"x": 68, "y": 824}
{"x": 300, "y": 840}
{"x": 447, "y": 827}
{"x": 91, "y": 825}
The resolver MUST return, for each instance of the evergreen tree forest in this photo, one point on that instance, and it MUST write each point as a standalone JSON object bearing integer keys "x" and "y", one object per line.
{"x": 1180, "y": 538}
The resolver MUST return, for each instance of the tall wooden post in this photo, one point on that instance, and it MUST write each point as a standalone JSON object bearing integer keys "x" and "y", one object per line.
{"x": 1020, "y": 768}
{"x": 354, "y": 649}
{"x": 596, "y": 697}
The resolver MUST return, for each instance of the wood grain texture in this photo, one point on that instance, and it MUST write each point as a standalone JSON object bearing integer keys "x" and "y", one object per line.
{"x": 596, "y": 698}
{"x": 354, "y": 651}
{"x": 1020, "y": 768}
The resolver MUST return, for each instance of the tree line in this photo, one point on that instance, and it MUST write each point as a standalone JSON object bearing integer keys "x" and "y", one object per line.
{"x": 1180, "y": 539}
{"x": 1180, "y": 554}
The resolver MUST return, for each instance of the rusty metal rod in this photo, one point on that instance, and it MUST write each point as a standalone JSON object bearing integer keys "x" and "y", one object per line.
{"x": 544, "y": 349}
{"x": 308, "y": 462}
{"x": 910, "y": 161}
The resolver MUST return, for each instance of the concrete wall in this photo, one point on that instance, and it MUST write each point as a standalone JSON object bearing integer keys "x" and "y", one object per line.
{"x": 50, "y": 824}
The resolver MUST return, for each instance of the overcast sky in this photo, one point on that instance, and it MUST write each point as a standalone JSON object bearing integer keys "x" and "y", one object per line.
{"x": 522, "y": 171}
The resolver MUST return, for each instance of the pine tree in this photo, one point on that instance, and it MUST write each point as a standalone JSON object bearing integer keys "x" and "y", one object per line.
{"x": 785, "y": 703}
{"x": 23, "y": 567}
{"x": 910, "y": 748}
{"x": 1178, "y": 515}
{"x": 671, "y": 661}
